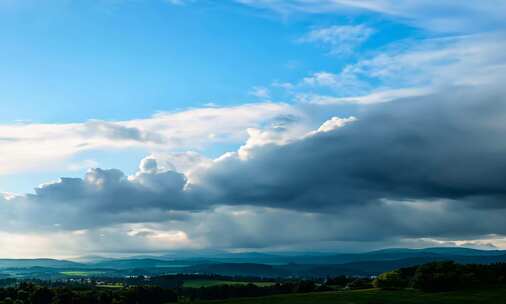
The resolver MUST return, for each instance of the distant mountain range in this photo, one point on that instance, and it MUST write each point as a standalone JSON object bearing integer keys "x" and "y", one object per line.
{"x": 27, "y": 263}
{"x": 251, "y": 263}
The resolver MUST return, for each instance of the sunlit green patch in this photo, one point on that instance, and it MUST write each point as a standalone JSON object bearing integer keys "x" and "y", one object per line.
{"x": 82, "y": 273}
{"x": 117, "y": 285}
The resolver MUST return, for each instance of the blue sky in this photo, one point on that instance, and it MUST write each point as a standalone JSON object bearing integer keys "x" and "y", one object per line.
{"x": 68, "y": 61}
{"x": 72, "y": 61}
{"x": 180, "y": 107}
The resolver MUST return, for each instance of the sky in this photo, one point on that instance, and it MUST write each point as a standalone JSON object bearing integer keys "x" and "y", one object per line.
{"x": 149, "y": 126}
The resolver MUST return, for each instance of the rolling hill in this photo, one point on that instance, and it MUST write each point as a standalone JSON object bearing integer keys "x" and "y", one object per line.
{"x": 255, "y": 264}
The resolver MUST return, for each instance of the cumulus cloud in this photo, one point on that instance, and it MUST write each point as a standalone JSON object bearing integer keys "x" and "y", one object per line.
{"x": 108, "y": 197}
{"x": 402, "y": 150}
{"x": 409, "y": 169}
{"x": 334, "y": 123}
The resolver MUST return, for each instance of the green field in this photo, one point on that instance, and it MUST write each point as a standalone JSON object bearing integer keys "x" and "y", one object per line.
{"x": 118, "y": 285}
{"x": 81, "y": 273}
{"x": 207, "y": 283}
{"x": 375, "y": 296}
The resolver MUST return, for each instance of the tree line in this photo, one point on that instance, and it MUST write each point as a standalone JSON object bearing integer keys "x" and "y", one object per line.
{"x": 60, "y": 293}
{"x": 27, "y": 293}
{"x": 443, "y": 276}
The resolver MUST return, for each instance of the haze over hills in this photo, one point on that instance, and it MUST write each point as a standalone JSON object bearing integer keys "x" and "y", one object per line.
{"x": 26, "y": 263}
{"x": 251, "y": 263}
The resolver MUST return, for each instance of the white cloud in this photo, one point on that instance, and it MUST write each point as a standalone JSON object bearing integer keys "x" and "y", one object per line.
{"x": 317, "y": 6}
{"x": 440, "y": 16}
{"x": 372, "y": 98}
{"x": 322, "y": 79}
{"x": 35, "y": 146}
{"x": 346, "y": 82}
{"x": 342, "y": 39}
{"x": 466, "y": 60}
{"x": 260, "y": 92}
{"x": 82, "y": 165}
{"x": 408, "y": 68}
{"x": 334, "y": 123}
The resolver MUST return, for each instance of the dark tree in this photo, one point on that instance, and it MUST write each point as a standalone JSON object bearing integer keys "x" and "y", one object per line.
{"x": 41, "y": 295}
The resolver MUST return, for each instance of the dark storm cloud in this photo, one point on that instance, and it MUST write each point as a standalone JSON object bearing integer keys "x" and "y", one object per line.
{"x": 425, "y": 167}
{"x": 106, "y": 197}
{"x": 445, "y": 146}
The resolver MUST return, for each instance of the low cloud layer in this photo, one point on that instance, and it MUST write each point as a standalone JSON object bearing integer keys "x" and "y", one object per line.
{"x": 414, "y": 168}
